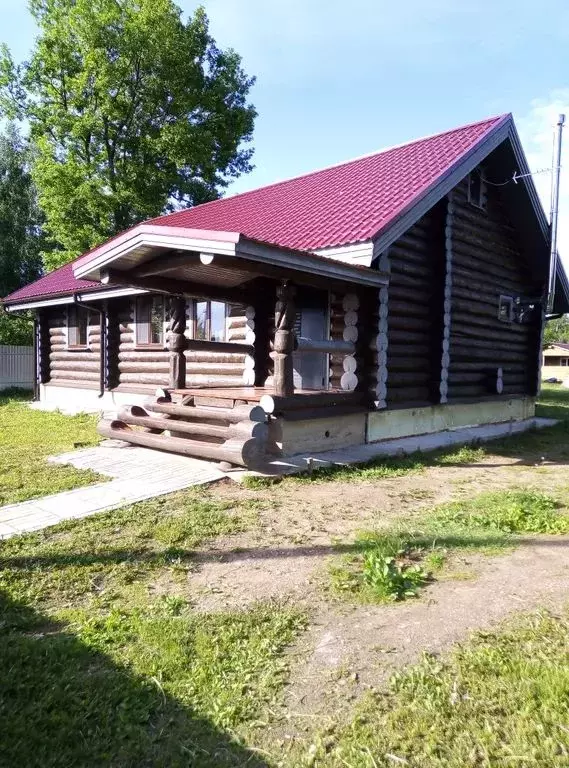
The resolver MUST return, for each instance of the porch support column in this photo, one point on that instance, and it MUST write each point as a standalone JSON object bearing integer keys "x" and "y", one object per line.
{"x": 285, "y": 313}
{"x": 177, "y": 343}
{"x": 263, "y": 321}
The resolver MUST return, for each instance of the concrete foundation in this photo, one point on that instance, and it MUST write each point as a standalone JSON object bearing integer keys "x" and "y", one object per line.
{"x": 72, "y": 400}
{"x": 318, "y": 434}
{"x": 386, "y": 425}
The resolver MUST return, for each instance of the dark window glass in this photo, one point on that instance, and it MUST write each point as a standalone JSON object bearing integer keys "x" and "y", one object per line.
{"x": 150, "y": 320}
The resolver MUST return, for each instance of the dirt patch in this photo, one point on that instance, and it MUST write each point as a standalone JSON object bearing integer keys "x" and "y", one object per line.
{"x": 347, "y": 652}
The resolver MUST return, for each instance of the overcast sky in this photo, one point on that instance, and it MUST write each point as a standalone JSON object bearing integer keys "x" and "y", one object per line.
{"x": 338, "y": 79}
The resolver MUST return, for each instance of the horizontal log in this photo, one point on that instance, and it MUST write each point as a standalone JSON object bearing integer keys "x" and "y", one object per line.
{"x": 324, "y": 345}
{"x": 73, "y": 355}
{"x": 467, "y": 320}
{"x": 244, "y": 430}
{"x": 197, "y": 345}
{"x": 79, "y": 375}
{"x": 143, "y": 356}
{"x": 399, "y": 267}
{"x": 396, "y": 351}
{"x": 405, "y": 293}
{"x": 229, "y": 415}
{"x": 79, "y": 365}
{"x": 416, "y": 336}
{"x": 397, "y": 379}
{"x": 405, "y": 323}
{"x": 248, "y": 453}
{"x": 212, "y": 369}
{"x": 407, "y": 394}
{"x": 407, "y": 309}
{"x": 493, "y": 357}
{"x": 274, "y": 404}
{"x": 399, "y": 364}
{"x": 144, "y": 378}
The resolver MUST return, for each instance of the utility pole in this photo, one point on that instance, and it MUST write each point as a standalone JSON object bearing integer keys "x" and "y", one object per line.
{"x": 556, "y": 170}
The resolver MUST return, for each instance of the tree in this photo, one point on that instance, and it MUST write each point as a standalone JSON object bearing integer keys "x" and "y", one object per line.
{"x": 20, "y": 217}
{"x": 557, "y": 330}
{"x": 133, "y": 111}
{"x": 20, "y": 232}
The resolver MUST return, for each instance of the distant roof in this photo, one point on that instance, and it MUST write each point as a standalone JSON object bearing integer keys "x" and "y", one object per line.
{"x": 558, "y": 344}
{"x": 341, "y": 205}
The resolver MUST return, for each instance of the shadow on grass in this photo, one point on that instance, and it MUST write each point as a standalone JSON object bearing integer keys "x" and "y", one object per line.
{"x": 63, "y": 703}
{"x": 419, "y": 539}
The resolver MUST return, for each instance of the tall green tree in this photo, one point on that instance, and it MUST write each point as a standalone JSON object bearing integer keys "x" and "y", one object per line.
{"x": 20, "y": 217}
{"x": 556, "y": 330}
{"x": 20, "y": 232}
{"x": 133, "y": 111}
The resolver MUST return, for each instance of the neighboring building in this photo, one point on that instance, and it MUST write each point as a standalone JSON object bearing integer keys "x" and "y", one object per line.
{"x": 399, "y": 293}
{"x": 555, "y": 362}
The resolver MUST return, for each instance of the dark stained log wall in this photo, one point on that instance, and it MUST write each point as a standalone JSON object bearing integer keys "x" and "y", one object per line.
{"x": 488, "y": 261}
{"x": 73, "y": 367}
{"x": 415, "y": 312}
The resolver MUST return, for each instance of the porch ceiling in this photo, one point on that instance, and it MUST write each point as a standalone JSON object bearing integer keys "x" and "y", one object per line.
{"x": 150, "y": 256}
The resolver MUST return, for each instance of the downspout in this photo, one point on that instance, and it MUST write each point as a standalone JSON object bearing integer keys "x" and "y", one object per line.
{"x": 103, "y": 342}
{"x": 553, "y": 256}
{"x": 36, "y": 357}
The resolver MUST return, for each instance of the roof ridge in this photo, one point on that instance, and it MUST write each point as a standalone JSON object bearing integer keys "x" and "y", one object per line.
{"x": 342, "y": 163}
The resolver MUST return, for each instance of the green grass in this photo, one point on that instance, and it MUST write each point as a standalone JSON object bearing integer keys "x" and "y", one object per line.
{"x": 500, "y": 700}
{"x": 394, "y": 564}
{"x": 105, "y": 660}
{"x": 27, "y": 438}
{"x": 146, "y": 687}
{"x": 115, "y": 556}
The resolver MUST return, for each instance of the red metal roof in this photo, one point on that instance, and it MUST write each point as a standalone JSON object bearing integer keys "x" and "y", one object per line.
{"x": 59, "y": 282}
{"x": 341, "y": 205}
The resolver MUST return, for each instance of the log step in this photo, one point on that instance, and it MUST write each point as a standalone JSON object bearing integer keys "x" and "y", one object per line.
{"x": 138, "y": 416}
{"x": 248, "y": 453}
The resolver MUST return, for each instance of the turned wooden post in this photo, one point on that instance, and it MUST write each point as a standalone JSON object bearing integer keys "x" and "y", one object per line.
{"x": 177, "y": 343}
{"x": 285, "y": 314}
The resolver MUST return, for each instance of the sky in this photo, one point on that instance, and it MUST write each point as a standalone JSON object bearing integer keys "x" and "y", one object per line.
{"x": 339, "y": 79}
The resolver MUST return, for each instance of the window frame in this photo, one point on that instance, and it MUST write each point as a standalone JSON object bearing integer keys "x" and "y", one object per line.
{"x": 138, "y": 323}
{"x": 509, "y": 301}
{"x": 72, "y": 327}
{"x": 479, "y": 203}
{"x": 193, "y": 317}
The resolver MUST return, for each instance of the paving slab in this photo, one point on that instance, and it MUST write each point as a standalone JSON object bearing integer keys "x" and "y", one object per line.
{"x": 135, "y": 473}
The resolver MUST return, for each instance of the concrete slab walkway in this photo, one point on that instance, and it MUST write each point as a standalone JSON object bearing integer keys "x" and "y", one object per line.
{"x": 139, "y": 473}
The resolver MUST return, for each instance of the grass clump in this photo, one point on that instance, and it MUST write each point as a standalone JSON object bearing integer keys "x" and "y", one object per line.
{"x": 384, "y": 568}
{"x": 27, "y": 438}
{"x": 502, "y": 699}
{"x": 520, "y": 511}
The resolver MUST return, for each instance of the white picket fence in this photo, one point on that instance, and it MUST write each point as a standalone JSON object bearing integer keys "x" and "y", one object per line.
{"x": 16, "y": 367}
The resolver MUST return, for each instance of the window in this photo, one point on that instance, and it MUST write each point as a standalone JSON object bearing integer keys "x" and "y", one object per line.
{"x": 209, "y": 321}
{"x": 477, "y": 189}
{"x": 150, "y": 320}
{"x": 77, "y": 326}
{"x": 506, "y": 309}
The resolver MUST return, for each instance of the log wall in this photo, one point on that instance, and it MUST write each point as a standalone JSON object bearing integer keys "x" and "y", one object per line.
{"x": 72, "y": 367}
{"x": 150, "y": 366}
{"x": 414, "y": 314}
{"x": 487, "y": 262}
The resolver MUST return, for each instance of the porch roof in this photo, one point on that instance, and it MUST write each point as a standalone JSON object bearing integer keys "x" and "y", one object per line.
{"x": 185, "y": 260}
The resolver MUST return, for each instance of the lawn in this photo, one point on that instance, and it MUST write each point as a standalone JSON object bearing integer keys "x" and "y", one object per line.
{"x": 109, "y": 657}
{"x": 27, "y": 438}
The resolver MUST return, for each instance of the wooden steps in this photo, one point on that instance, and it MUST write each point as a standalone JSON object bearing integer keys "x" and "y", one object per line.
{"x": 237, "y": 435}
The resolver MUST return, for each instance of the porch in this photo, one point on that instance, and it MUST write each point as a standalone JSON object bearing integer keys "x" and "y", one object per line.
{"x": 313, "y": 347}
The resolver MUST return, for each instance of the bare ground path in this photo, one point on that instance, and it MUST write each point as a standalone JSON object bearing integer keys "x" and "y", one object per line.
{"x": 350, "y": 648}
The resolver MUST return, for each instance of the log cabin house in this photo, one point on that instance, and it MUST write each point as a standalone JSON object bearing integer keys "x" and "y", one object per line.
{"x": 397, "y": 294}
